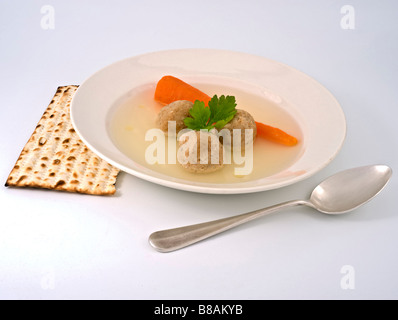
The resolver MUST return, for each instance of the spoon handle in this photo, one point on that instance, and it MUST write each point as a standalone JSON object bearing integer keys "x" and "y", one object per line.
{"x": 174, "y": 239}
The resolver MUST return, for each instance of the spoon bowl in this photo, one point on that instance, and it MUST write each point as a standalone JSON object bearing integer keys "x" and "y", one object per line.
{"x": 349, "y": 189}
{"x": 338, "y": 194}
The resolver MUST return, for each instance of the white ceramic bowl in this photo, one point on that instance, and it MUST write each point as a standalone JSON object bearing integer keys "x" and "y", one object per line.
{"x": 315, "y": 109}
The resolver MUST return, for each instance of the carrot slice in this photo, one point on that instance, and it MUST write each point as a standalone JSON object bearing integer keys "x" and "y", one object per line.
{"x": 275, "y": 134}
{"x": 170, "y": 89}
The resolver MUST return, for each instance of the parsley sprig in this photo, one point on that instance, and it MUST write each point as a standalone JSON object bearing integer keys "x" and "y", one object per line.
{"x": 220, "y": 111}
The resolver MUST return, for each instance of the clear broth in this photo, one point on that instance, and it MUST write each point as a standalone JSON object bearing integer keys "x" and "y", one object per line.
{"x": 136, "y": 114}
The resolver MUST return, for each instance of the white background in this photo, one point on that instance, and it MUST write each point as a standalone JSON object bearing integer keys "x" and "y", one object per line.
{"x": 56, "y": 245}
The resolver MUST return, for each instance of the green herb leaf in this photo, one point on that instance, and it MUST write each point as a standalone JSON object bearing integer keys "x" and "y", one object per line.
{"x": 220, "y": 111}
{"x": 221, "y": 123}
{"x": 200, "y": 116}
{"x": 223, "y": 109}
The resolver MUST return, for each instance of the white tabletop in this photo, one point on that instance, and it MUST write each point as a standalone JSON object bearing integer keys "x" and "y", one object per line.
{"x": 56, "y": 245}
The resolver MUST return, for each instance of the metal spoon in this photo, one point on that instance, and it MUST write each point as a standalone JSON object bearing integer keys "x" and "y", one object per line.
{"x": 340, "y": 193}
